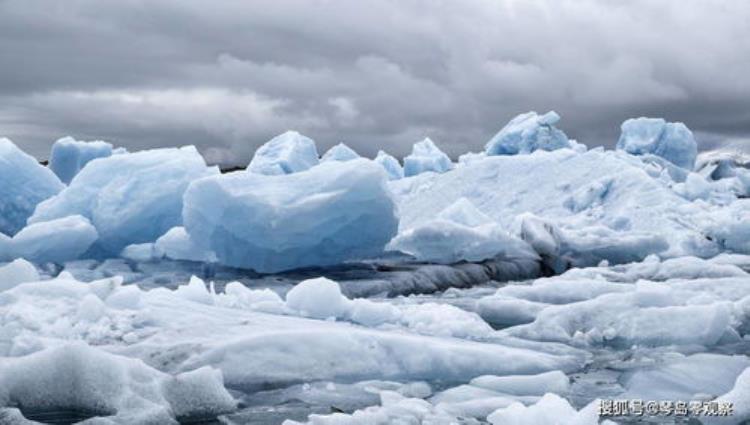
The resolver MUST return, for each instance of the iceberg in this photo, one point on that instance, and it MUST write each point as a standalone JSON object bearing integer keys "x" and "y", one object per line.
{"x": 391, "y": 165}
{"x": 286, "y": 153}
{"x": 340, "y": 152}
{"x": 129, "y": 198}
{"x": 177, "y": 245}
{"x": 527, "y": 133}
{"x": 461, "y": 233}
{"x": 425, "y": 156}
{"x": 672, "y": 141}
{"x": 335, "y": 212}
{"x": 606, "y": 204}
{"x": 68, "y": 156}
{"x": 58, "y": 240}
{"x": 25, "y": 183}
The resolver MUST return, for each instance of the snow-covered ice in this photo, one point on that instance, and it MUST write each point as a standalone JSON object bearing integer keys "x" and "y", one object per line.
{"x": 528, "y": 132}
{"x": 332, "y": 213}
{"x": 25, "y": 183}
{"x": 68, "y": 156}
{"x": 461, "y": 233}
{"x": 129, "y": 198}
{"x": 286, "y": 153}
{"x": 672, "y": 141}
{"x": 424, "y": 157}
{"x": 609, "y": 204}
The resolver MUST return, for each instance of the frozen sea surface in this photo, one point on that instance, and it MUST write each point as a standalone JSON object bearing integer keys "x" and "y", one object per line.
{"x": 449, "y": 352}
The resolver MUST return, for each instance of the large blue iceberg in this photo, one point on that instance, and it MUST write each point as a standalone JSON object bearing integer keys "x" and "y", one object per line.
{"x": 129, "y": 198}
{"x": 286, "y": 153}
{"x": 69, "y": 156}
{"x": 526, "y": 133}
{"x": 425, "y": 156}
{"x": 672, "y": 141}
{"x": 23, "y": 184}
{"x": 334, "y": 212}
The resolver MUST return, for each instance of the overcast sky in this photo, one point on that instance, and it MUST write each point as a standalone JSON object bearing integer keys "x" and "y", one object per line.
{"x": 228, "y": 75}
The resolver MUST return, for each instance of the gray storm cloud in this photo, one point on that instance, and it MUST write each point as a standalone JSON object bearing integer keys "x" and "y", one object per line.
{"x": 228, "y": 75}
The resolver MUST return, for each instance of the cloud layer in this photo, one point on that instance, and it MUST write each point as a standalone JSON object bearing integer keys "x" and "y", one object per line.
{"x": 228, "y": 75}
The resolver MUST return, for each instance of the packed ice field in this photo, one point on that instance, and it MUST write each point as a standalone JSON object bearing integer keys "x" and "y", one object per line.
{"x": 530, "y": 283}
